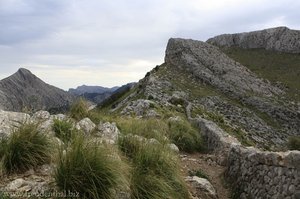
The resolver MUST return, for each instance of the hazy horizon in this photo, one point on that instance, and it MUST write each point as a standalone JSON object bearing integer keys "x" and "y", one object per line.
{"x": 110, "y": 43}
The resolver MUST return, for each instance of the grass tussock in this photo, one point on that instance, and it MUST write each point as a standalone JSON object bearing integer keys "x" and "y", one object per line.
{"x": 148, "y": 128}
{"x": 79, "y": 109}
{"x": 90, "y": 169}
{"x": 156, "y": 173}
{"x": 63, "y": 129}
{"x": 186, "y": 137}
{"x": 26, "y": 148}
{"x": 294, "y": 143}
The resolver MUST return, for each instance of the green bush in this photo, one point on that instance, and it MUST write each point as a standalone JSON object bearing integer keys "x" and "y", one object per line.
{"x": 185, "y": 136}
{"x": 90, "y": 169}
{"x": 63, "y": 129}
{"x": 156, "y": 172}
{"x": 26, "y": 148}
{"x": 198, "y": 173}
{"x": 294, "y": 143}
{"x": 79, "y": 109}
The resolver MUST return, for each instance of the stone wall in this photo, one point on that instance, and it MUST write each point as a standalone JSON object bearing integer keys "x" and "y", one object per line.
{"x": 257, "y": 174}
{"x": 252, "y": 173}
{"x": 216, "y": 140}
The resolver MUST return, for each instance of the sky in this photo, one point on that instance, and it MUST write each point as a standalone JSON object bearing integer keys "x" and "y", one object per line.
{"x": 68, "y": 43}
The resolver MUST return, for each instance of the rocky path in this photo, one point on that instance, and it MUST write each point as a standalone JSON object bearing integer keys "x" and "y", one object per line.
{"x": 214, "y": 172}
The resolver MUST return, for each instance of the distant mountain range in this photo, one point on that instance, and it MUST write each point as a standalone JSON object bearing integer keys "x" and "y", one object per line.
{"x": 91, "y": 89}
{"x": 24, "y": 91}
{"x": 97, "y": 94}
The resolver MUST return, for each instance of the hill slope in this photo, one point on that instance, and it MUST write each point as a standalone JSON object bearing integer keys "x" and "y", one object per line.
{"x": 199, "y": 80}
{"x": 23, "y": 90}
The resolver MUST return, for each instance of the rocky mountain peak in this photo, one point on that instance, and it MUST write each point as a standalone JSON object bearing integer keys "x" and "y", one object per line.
{"x": 209, "y": 64}
{"x": 24, "y": 71}
{"x": 280, "y": 39}
{"x": 24, "y": 90}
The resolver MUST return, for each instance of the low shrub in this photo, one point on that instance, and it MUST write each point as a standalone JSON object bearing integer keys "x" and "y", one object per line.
{"x": 63, "y": 129}
{"x": 90, "y": 169}
{"x": 185, "y": 136}
{"x": 79, "y": 109}
{"x": 26, "y": 148}
{"x": 294, "y": 143}
{"x": 198, "y": 173}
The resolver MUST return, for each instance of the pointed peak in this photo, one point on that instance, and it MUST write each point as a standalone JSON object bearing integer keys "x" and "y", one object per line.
{"x": 24, "y": 71}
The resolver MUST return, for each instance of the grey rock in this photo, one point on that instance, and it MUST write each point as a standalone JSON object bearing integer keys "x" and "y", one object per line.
{"x": 86, "y": 125}
{"x": 108, "y": 131}
{"x": 16, "y": 184}
{"x": 152, "y": 114}
{"x": 202, "y": 185}
{"x": 280, "y": 39}
{"x": 138, "y": 107}
{"x": 41, "y": 115}
{"x": 10, "y": 121}
{"x": 173, "y": 147}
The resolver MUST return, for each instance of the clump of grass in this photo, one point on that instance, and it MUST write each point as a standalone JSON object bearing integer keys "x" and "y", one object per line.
{"x": 63, "y": 129}
{"x": 185, "y": 136}
{"x": 4, "y": 195}
{"x": 294, "y": 143}
{"x": 149, "y": 128}
{"x": 156, "y": 172}
{"x": 26, "y": 148}
{"x": 130, "y": 145}
{"x": 79, "y": 109}
{"x": 199, "y": 173}
{"x": 90, "y": 169}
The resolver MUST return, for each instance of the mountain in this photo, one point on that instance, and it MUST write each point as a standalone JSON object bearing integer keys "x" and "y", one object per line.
{"x": 281, "y": 39}
{"x": 24, "y": 91}
{"x": 117, "y": 94}
{"x": 200, "y": 80}
{"x": 98, "y": 94}
{"x": 91, "y": 89}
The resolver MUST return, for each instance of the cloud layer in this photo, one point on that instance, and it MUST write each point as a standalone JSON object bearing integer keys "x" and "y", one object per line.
{"x": 101, "y": 42}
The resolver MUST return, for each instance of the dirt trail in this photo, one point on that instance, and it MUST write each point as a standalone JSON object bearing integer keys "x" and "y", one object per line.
{"x": 206, "y": 163}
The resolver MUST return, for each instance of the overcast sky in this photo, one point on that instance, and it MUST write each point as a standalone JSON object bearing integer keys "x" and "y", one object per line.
{"x": 112, "y": 42}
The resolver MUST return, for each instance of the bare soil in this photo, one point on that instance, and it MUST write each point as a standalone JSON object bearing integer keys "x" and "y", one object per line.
{"x": 214, "y": 172}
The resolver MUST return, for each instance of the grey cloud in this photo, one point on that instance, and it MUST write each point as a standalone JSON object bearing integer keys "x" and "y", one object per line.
{"x": 28, "y": 19}
{"x": 105, "y": 35}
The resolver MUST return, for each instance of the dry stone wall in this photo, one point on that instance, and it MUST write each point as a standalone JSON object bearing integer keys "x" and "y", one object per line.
{"x": 253, "y": 174}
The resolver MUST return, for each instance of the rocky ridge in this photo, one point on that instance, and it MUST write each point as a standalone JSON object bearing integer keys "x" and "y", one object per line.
{"x": 23, "y": 90}
{"x": 280, "y": 39}
{"x": 215, "y": 86}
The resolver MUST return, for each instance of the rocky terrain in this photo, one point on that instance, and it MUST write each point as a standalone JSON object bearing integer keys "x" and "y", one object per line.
{"x": 228, "y": 125}
{"x": 281, "y": 39}
{"x": 23, "y": 91}
{"x": 215, "y": 86}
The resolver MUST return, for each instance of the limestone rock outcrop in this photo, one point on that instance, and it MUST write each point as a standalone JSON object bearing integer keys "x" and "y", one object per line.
{"x": 281, "y": 39}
